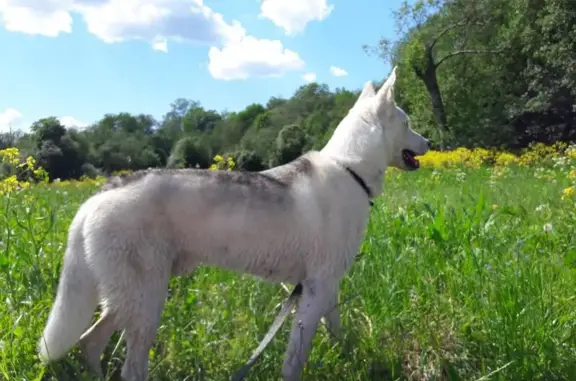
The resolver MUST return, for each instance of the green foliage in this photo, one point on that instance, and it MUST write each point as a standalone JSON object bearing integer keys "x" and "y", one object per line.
{"x": 487, "y": 72}
{"x": 188, "y": 153}
{"x": 249, "y": 161}
{"x": 199, "y": 120}
{"x": 289, "y": 144}
{"x": 189, "y": 135}
{"x": 463, "y": 276}
{"x": 61, "y": 152}
{"x": 48, "y": 129}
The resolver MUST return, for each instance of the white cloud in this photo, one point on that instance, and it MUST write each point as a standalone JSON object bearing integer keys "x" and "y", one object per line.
{"x": 161, "y": 45}
{"x": 158, "y": 20}
{"x": 70, "y": 121}
{"x": 338, "y": 71}
{"x": 293, "y": 15}
{"x": 233, "y": 54}
{"x": 252, "y": 57}
{"x": 37, "y": 17}
{"x": 10, "y": 119}
{"x": 309, "y": 77}
{"x": 112, "y": 21}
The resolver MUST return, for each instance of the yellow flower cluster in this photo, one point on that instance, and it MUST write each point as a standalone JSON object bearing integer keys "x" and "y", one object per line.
{"x": 82, "y": 181}
{"x": 570, "y": 192}
{"x": 221, "y": 163}
{"x": 10, "y": 156}
{"x": 12, "y": 167}
{"x": 8, "y": 185}
{"x": 122, "y": 172}
{"x": 474, "y": 158}
{"x": 471, "y": 158}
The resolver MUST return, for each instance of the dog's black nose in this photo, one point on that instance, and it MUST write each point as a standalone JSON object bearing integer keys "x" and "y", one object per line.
{"x": 429, "y": 143}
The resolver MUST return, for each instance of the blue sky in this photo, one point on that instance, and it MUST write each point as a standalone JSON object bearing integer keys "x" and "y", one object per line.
{"x": 80, "y": 59}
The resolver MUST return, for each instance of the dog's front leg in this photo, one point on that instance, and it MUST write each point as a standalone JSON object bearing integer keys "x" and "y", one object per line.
{"x": 314, "y": 303}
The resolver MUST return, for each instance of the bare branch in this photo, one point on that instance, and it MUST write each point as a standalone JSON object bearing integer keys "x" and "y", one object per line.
{"x": 446, "y": 30}
{"x": 461, "y": 52}
{"x": 464, "y": 40}
{"x": 466, "y": 22}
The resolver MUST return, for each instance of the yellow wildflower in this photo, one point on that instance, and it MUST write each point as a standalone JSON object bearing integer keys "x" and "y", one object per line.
{"x": 10, "y": 155}
{"x": 505, "y": 159}
{"x": 121, "y": 172}
{"x": 568, "y": 192}
{"x": 571, "y": 152}
{"x": 8, "y": 185}
{"x": 30, "y": 163}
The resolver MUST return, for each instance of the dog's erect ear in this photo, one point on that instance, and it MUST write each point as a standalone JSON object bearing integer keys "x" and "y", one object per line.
{"x": 385, "y": 96}
{"x": 367, "y": 92}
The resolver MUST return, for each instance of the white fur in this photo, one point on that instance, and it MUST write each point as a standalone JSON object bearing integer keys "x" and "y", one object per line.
{"x": 77, "y": 289}
{"x": 125, "y": 243}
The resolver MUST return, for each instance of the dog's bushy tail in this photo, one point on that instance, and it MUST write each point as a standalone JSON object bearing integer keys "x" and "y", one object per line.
{"x": 76, "y": 299}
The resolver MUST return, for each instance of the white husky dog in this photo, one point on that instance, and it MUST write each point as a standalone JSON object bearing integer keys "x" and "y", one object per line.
{"x": 300, "y": 223}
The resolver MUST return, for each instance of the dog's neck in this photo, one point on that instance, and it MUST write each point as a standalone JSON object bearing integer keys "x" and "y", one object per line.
{"x": 362, "y": 184}
{"x": 353, "y": 145}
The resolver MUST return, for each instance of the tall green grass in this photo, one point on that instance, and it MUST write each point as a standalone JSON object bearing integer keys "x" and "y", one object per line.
{"x": 462, "y": 279}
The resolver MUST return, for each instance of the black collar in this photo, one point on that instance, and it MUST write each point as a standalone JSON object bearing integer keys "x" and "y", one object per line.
{"x": 361, "y": 183}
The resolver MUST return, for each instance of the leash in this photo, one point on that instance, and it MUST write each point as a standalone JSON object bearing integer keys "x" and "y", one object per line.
{"x": 288, "y": 304}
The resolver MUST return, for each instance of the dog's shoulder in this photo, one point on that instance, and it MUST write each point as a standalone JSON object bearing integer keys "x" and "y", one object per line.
{"x": 287, "y": 174}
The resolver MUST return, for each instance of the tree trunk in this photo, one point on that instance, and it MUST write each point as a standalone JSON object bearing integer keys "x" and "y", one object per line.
{"x": 428, "y": 76}
{"x": 431, "y": 82}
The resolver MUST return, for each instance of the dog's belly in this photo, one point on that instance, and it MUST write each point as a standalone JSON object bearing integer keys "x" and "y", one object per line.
{"x": 286, "y": 269}
{"x": 277, "y": 256}
{"x": 276, "y": 263}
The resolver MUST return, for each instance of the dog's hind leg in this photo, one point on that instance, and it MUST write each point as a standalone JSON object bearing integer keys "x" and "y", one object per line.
{"x": 314, "y": 303}
{"x": 142, "y": 321}
{"x": 133, "y": 283}
{"x": 332, "y": 319}
{"x": 94, "y": 341}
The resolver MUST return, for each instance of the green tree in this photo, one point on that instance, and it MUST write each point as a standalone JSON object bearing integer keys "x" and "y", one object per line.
{"x": 199, "y": 120}
{"x": 188, "y": 153}
{"x": 48, "y": 129}
{"x": 435, "y": 31}
{"x": 249, "y": 161}
{"x": 289, "y": 144}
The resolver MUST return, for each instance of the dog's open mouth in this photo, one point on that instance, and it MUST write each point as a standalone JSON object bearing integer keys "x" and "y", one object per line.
{"x": 410, "y": 160}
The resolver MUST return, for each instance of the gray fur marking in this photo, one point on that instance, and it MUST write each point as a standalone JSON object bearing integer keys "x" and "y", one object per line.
{"x": 279, "y": 177}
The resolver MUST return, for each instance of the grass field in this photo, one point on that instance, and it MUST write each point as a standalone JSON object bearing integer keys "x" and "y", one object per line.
{"x": 469, "y": 274}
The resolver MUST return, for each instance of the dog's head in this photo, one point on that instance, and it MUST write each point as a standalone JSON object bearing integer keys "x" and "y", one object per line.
{"x": 376, "y": 134}
{"x": 389, "y": 127}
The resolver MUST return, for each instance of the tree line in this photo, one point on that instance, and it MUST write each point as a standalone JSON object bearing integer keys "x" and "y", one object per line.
{"x": 488, "y": 73}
